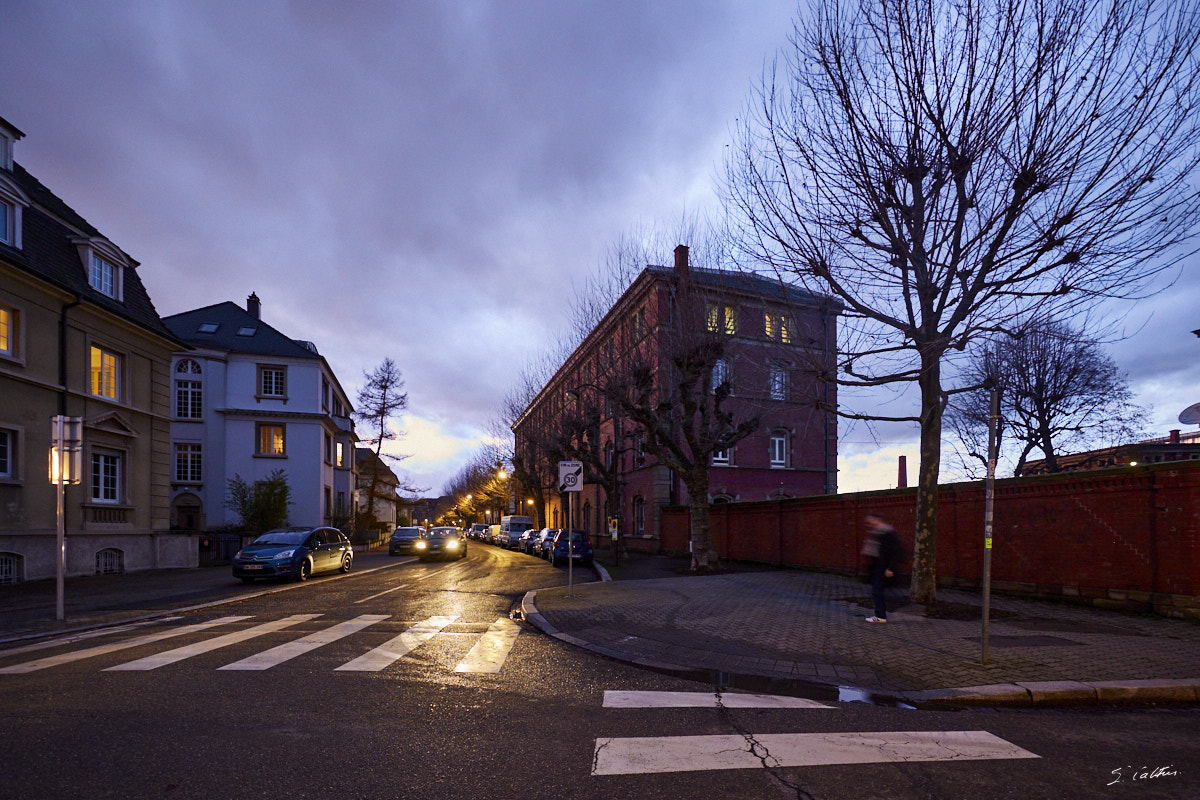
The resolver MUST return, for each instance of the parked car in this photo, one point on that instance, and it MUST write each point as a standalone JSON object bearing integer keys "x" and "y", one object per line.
{"x": 492, "y": 532}
{"x": 442, "y": 542}
{"x": 294, "y": 553}
{"x": 526, "y": 540}
{"x": 404, "y": 540}
{"x": 541, "y": 544}
{"x": 580, "y": 550}
{"x": 477, "y": 531}
{"x": 511, "y": 528}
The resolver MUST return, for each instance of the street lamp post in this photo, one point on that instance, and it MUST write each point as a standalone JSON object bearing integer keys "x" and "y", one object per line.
{"x": 66, "y": 466}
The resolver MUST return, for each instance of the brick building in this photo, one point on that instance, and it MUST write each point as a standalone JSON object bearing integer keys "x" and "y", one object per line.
{"x": 776, "y": 340}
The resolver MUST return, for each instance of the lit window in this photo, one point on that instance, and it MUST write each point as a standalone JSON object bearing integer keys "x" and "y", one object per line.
{"x": 8, "y": 331}
{"x": 778, "y": 382}
{"x": 270, "y": 440}
{"x": 188, "y": 463}
{"x": 779, "y": 448}
{"x": 106, "y": 373}
{"x": 272, "y": 381}
{"x": 778, "y": 326}
{"x": 720, "y": 458}
{"x": 104, "y": 277}
{"x": 106, "y": 478}
{"x": 722, "y": 318}
{"x": 341, "y": 454}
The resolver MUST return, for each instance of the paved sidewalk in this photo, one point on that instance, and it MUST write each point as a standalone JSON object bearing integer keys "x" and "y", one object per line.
{"x": 810, "y": 626}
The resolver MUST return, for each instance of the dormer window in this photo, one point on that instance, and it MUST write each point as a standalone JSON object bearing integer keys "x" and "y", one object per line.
{"x": 12, "y": 202}
{"x": 103, "y": 277}
{"x": 105, "y": 266}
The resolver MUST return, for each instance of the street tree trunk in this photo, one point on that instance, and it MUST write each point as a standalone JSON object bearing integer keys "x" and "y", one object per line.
{"x": 924, "y": 571}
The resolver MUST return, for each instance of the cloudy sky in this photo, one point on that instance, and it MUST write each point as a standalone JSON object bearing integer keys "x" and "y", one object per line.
{"x": 421, "y": 180}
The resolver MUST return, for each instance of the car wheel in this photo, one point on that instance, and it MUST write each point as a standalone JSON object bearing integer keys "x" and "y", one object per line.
{"x": 303, "y": 571}
{"x": 346, "y": 563}
{"x": 247, "y": 579}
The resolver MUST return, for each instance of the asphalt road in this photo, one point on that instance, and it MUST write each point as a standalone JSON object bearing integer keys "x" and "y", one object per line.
{"x": 415, "y": 681}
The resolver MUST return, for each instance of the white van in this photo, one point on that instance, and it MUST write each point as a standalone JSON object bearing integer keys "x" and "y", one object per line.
{"x": 511, "y": 528}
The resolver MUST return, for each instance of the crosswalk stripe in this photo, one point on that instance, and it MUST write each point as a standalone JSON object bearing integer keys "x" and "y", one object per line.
{"x": 284, "y": 652}
{"x": 642, "y": 755}
{"x": 394, "y": 649}
{"x": 618, "y": 699}
{"x": 179, "y": 654}
{"x": 490, "y": 652}
{"x": 66, "y": 658}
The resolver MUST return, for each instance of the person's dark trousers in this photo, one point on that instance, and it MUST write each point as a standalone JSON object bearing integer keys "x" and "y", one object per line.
{"x": 878, "y": 593}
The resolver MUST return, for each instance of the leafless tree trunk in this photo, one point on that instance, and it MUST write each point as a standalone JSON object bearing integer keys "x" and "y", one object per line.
{"x": 945, "y": 168}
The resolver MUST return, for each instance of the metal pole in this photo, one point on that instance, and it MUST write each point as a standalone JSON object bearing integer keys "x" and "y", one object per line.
{"x": 989, "y": 500}
{"x": 60, "y": 456}
{"x": 570, "y": 546}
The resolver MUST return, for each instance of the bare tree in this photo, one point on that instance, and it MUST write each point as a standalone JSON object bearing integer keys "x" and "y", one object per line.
{"x": 1059, "y": 391}
{"x": 946, "y": 167}
{"x": 677, "y": 395}
{"x": 380, "y": 401}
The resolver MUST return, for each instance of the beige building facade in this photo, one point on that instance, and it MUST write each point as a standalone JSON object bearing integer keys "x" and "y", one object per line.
{"x": 79, "y": 336}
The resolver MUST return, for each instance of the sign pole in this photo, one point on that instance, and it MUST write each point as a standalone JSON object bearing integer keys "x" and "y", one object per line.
{"x": 988, "y": 503}
{"x": 570, "y": 480}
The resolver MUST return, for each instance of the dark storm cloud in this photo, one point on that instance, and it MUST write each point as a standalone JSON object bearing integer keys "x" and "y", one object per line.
{"x": 417, "y": 180}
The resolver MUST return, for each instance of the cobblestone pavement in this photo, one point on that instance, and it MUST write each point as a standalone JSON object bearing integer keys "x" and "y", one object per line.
{"x": 791, "y": 624}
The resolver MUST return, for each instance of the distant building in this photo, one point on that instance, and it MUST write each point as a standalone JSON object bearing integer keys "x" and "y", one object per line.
{"x": 79, "y": 336}
{"x": 385, "y": 509}
{"x": 778, "y": 339}
{"x": 247, "y": 400}
{"x": 1177, "y": 446}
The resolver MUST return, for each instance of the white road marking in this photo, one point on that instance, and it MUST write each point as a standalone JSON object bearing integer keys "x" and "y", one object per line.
{"x": 636, "y": 756}
{"x": 614, "y": 699}
{"x": 394, "y": 649}
{"x": 85, "y": 635}
{"x": 65, "y": 658}
{"x": 490, "y": 652}
{"x": 395, "y": 588}
{"x": 284, "y": 652}
{"x": 179, "y": 654}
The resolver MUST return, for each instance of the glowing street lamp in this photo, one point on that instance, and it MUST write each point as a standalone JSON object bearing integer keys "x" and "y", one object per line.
{"x": 66, "y": 466}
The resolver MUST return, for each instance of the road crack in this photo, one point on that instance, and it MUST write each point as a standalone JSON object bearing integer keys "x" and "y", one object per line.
{"x": 758, "y": 749}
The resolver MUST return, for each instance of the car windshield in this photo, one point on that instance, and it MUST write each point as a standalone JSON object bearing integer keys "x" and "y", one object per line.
{"x": 441, "y": 533}
{"x": 407, "y": 532}
{"x": 282, "y": 537}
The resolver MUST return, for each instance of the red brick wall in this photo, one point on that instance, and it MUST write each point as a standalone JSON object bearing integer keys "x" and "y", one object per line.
{"x": 1127, "y": 537}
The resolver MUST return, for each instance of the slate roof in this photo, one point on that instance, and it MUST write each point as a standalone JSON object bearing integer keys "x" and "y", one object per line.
{"x": 749, "y": 284}
{"x": 47, "y": 252}
{"x": 229, "y": 319}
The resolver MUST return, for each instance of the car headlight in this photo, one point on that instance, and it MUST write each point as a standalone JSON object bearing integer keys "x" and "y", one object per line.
{"x": 419, "y": 545}
{"x": 452, "y": 544}
{"x": 285, "y": 554}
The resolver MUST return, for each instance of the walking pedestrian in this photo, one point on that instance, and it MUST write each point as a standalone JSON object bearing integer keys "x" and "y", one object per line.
{"x": 882, "y": 549}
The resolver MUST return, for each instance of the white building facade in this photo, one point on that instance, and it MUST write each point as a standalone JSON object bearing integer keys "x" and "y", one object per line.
{"x": 247, "y": 401}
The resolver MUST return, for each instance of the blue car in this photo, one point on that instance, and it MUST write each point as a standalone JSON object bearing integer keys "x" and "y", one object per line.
{"x": 580, "y": 549}
{"x": 294, "y": 553}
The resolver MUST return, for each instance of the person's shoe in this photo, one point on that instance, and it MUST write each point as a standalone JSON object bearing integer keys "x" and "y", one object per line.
{"x": 876, "y": 619}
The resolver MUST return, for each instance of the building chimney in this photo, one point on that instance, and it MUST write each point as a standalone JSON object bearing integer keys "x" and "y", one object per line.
{"x": 1173, "y": 438}
{"x": 254, "y": 306}
{"x": 682, "y": 269}
{"x": 902, "y": 473}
